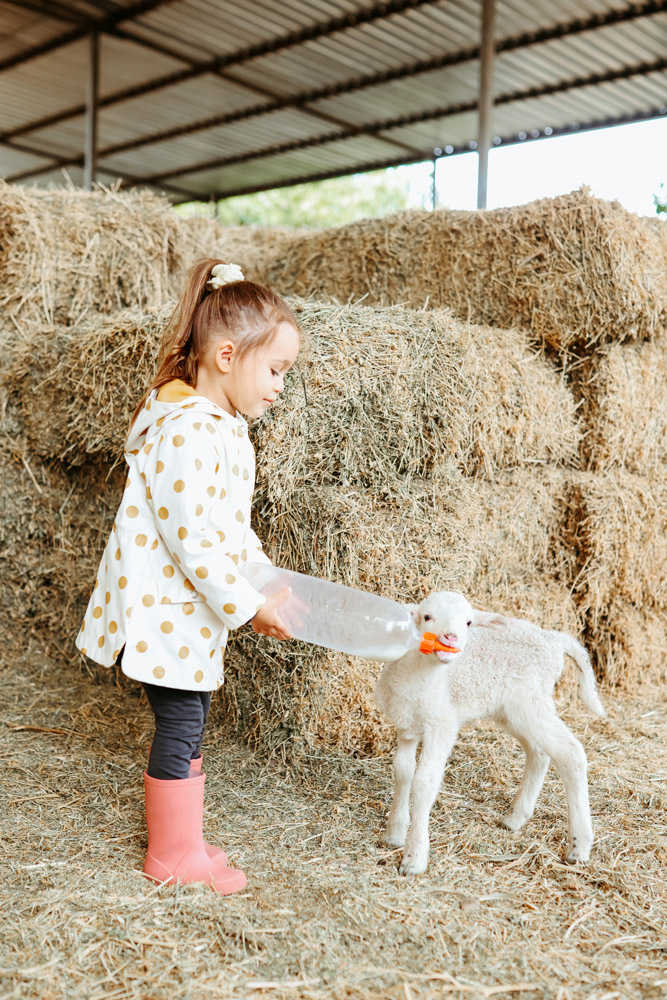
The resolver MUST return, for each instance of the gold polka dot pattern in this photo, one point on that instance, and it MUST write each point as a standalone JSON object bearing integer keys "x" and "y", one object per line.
{"x": 132, "y": 511}
{"x": 148, "y": 600}
{"x": 178, "y": 440}
{"x": 199, "y": 676}
{"x": 166, "y": 627}
{"x": 206, "y": 632}
{"x": 142, "y": 646}
{"x": 179, "y": 486}
{"x": 168, "y": 571}
{"x": 182, "y": 533}
{"x": 163, "y": 513}
{"x": 141, "y": 540}
{"x": 159, "y": 672}
{"x": 184, "y": 652}
{"x": 229, "y": 609}
{"x": 201, "y": 572}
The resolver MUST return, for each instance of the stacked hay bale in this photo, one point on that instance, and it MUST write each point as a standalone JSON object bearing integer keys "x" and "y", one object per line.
{"x": 409, "y": 452}
{"x": 574, "y": 270}
{"x": 586, "y": 279}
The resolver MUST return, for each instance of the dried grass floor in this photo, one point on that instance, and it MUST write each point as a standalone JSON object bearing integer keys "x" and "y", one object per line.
{"x": 326, "y": 915}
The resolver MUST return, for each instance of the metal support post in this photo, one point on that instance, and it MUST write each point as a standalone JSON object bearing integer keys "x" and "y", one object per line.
{"x": 485, "y": 98}
{"x": 92, "y": 86}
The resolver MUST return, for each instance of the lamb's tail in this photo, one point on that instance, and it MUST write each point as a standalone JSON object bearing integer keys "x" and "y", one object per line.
{"x": 587, "y": 685}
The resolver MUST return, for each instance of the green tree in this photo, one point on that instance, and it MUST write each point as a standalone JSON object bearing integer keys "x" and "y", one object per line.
{"x": 660, "y": 201}
{"x": 316, "y": 204}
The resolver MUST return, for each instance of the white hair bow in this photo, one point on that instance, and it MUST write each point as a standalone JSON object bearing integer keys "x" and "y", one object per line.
{"x": 222, "y": 274}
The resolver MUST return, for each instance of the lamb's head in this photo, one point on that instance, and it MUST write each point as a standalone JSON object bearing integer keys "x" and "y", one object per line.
{"x": 450, "y": 616}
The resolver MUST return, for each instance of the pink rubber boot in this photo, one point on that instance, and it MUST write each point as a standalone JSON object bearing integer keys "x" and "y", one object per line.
{"x": 176, "y": 850}
{"x": 211, "y": 849}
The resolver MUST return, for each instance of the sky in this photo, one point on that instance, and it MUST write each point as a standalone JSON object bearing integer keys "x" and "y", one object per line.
{"x": 627, "y": 163}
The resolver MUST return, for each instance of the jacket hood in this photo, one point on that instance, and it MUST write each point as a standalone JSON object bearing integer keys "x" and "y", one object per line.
{"x": 167, "y": 401}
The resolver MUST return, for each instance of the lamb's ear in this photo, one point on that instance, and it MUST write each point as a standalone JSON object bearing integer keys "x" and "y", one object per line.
{"x": 489, "y": 619}
{"x": 414, "y": 611}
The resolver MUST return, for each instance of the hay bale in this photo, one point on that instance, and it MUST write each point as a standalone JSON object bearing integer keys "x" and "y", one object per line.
{"x": 379, "y": 393}
{"x": 53, "y": 526}
{"x": 575, "y": 270}
{"x": 625, "y": 408}
{"x": 67, "y": 253}
{"x": 499, "y": 543}
{"x": 76, "y": 387}
{"x": 618, "y": 524}
{"x": 630, "y": 646}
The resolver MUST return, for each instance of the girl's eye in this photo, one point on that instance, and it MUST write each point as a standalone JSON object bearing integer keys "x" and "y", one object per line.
{"x": 428, "y": 618}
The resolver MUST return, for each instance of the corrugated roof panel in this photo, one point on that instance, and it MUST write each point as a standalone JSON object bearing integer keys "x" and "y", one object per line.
{"x": 199, "y": 29}
{"x": 329, "y": 158}
{"x": 22, "y": 29}
{"x": 229, "y": 140}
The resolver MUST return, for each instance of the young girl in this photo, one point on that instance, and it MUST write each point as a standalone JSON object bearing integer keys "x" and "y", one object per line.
{"x": 168, "y": 588}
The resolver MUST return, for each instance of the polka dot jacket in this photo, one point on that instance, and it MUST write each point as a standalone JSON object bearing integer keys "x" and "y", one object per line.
{"x": 168, "y": 587}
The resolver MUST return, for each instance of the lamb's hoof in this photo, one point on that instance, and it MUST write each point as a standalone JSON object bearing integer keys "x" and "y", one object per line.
{"x": 578, "y": 854}
{"x": 394, "y": 838}
{"x": 413, "y": 864}
{"x": 512, "y": 822}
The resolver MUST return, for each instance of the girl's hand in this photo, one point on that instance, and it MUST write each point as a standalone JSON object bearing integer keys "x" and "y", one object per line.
{"x": 267, "y": 621}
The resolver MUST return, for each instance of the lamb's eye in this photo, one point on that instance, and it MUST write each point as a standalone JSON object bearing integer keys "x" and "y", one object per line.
{"x": 469, "y": 624}
{"x": 428, "y": 618}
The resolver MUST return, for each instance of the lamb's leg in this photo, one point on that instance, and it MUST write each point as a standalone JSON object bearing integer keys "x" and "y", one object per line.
{"x": 550, "y": 735}
{"x": 537, "y": 765}
{"x": 425, "y": 787}
{"x": 399, "y": 814}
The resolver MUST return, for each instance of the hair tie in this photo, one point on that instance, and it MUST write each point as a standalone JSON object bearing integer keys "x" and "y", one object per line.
{"x": 223, "y": 274}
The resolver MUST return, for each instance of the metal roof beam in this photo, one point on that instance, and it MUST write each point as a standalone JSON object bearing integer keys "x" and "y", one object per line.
{"x": 105, "y": 24}
{"x": 376, "y": 12}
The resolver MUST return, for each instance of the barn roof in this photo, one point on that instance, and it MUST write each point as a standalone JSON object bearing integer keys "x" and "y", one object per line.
{"x": 200, "y": 98}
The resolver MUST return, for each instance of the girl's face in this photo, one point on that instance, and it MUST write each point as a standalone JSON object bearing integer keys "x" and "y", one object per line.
{"x": 250, "y": 384}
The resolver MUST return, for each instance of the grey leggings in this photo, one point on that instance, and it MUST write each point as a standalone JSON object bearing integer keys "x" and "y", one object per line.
{"x": 180, "y": 720}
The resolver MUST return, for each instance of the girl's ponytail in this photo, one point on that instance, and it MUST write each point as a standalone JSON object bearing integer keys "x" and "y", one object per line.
{"x": 248, "y": 313}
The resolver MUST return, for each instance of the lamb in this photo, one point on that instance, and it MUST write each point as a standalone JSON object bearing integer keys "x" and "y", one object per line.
{"x": 492, "y": 666}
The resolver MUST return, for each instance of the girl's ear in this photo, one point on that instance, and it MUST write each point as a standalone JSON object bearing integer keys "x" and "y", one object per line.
{"x": 414, "y": 611}
{"x": 224, "y": 352}
{"x": 489, "y": 619}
